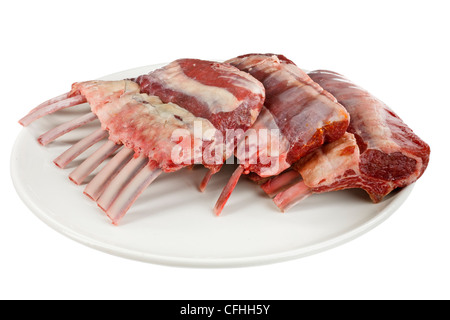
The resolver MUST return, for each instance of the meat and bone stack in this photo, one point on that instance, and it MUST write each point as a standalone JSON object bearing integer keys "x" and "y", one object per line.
{"x": 232, "y": 102}
{"x": 378, "y": 154}
{"x": 132, "y": 115}
{"x": 305, "y": 115}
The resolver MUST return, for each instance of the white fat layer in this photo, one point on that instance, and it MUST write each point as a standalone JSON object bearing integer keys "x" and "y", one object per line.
{"x": 246, "y": 82}
{"x": 377, "y": 134}
{"x": 172, "y": 113}
{"x": 281, "y": 75}
{"x": 265, "y": 142}
{"x": 217, "y": 99}
{"x": 330, "y": 163}
{"x": 369, "y": 115}
{"x": 165, "y": 113}
{"x": 294, "y": 70}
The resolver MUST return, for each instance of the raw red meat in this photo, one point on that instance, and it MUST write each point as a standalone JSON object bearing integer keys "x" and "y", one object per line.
{"x": 306, "y": 115}
{"x": 219, "y": 92}
{"x": 229, "y": 98}
{"x": 378, "y": 154}
{"x": 202, "y": 100}
{"x": 147, "y": 126}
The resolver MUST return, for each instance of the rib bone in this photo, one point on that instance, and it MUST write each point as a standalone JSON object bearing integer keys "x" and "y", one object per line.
{"x": 131, "y": 192}
{"x": 64, "y": 128}
{"x": 39, "y": 112}
{"x": 93, "y": 161}
{"x": 120, "y": 181}
{"x": 98, "y": 184}
{"x": 78, "y": 148}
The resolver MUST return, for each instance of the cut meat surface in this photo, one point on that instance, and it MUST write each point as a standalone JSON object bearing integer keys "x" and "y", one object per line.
{"x": 219, "y": 92}
{"x": 307, "y": 115}
{"x": 263, "y": 149}
{"x": 171, "y": 118}
{"x": 302, "y": 115}
{"x": 378, "y": 154}
{"x": 146, "y": 125}
{"x": 290, "y": 131}
{"x": 389, "y": 149}
{"x": 335, "y": 166}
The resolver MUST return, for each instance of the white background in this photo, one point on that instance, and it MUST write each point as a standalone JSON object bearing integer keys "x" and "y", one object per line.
{"x": 397, "y": 49}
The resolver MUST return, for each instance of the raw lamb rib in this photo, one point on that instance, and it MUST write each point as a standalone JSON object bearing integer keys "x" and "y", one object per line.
{"x": 155, "y": 136}
{"x": 378, "y": 154}
{"x": 305, "y": 115}
{"x": 229, "y": 99}
{"x": 145, "y": 127}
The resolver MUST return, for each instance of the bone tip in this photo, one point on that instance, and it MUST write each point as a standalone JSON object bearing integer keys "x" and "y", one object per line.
{"x": 217, "y": 211}
{"x": 59, "y": 165}
{"x": 41, "y": 141}
{"x": 23, "y": 122}
{"x": 282, "y": 207}
{"x": 114, "y": 220}
{"x": 103, "y": 209}
{"x": 75, "y": 181}
{"x": 279, "y": 202}
{"x": 89, "y": 196}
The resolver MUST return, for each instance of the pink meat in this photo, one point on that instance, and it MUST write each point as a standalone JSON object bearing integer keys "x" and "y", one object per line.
{"x": 336, "y": 166}
{"x": 389, "y": 149}
{"x": 307, "y": 115}
{"x": 203, "y": 100}
{"x": 263, "y": 150}
{"x": 147, "y": 126}
{"x": 299, "y": 117}
{"x": 219, "y": 92}
{"x": 378, "y": 153}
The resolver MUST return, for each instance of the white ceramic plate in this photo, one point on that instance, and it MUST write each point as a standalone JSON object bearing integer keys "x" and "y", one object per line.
{"x": 172, "y": 223}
